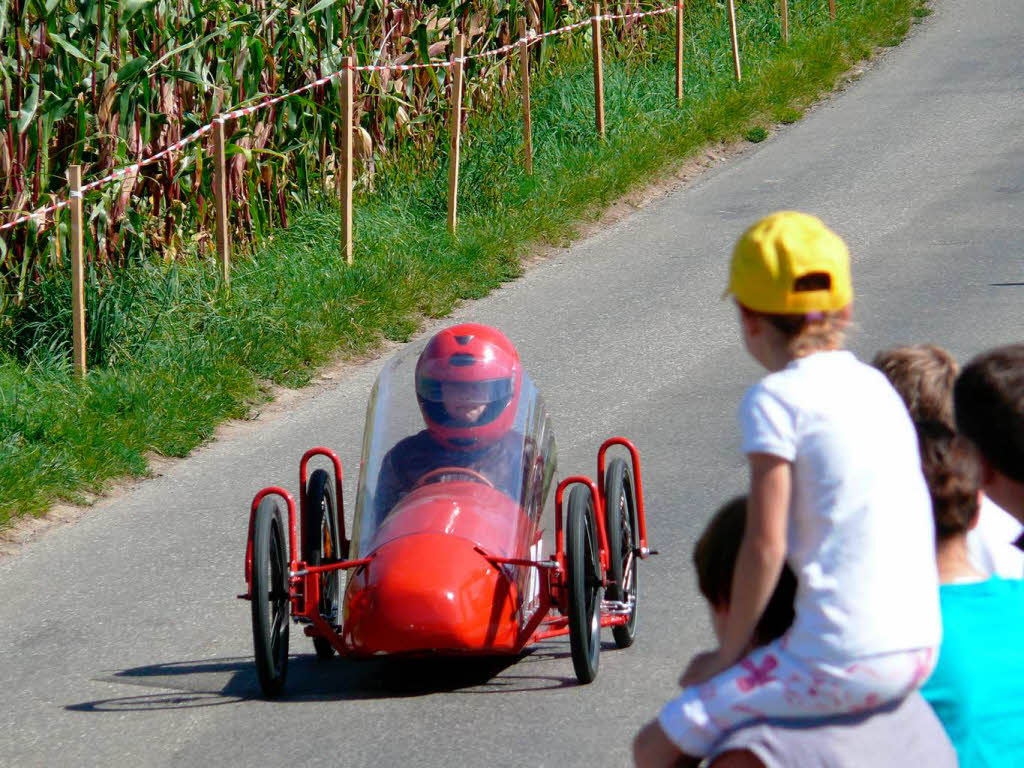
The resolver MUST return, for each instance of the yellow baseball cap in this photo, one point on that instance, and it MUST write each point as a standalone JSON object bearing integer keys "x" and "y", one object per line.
{"x": 790, "y": 263}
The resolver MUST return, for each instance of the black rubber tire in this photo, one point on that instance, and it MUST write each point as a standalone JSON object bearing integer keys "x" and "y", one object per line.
{"x": 621, "y": 526}
{"x": 320, "y": 541}
{"x": 270, "y": 604}
{"x": 583, "y": 566}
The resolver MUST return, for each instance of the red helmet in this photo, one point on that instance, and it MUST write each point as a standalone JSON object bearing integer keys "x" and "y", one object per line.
{"x": 468, "y": 380}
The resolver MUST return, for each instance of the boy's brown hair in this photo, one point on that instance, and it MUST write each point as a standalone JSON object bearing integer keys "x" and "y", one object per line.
{"x": 989, "y": 404}
{"x": 714, "y": 557}
{"x": 953, "y": 473}
{"x": 923, "y": 375}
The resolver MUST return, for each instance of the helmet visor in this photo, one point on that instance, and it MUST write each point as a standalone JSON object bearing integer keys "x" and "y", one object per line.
{"x": 464, "y": 404}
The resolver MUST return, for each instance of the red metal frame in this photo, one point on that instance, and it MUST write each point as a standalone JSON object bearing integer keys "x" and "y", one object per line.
{"x": 272, "y": 490}
{"x": 602, "y": 535}
{"x": 338, "y": 477}
{"x": 635, "y": 455}
{"x": 305, "y": 580}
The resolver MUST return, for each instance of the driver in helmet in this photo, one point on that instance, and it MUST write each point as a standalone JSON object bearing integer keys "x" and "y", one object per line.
{"x": 468, "y": 380}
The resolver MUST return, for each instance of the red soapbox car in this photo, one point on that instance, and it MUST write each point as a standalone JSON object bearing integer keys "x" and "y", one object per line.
{"x": 455, "y": 564}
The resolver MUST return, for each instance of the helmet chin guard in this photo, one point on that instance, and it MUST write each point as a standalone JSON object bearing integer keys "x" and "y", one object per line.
{"x": 468, "y": 380}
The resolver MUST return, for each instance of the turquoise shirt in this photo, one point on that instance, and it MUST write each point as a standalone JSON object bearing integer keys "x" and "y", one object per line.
{"x": 977, "y": 688}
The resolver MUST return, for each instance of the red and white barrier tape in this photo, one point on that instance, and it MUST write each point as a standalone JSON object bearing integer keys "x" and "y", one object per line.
{"x": 129, "y": 170}
{"x": 639, "y": 14}
{"x": 445, "y": 64}
{"x": 39, "y": 214}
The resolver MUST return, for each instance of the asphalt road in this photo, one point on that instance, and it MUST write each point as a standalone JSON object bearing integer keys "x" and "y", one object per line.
{"x": 120, "y": 637}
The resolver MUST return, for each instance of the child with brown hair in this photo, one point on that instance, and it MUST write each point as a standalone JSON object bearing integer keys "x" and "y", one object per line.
{"x": 975, "y": 688}
{"x": 924, "y": 375}
{"x": 836, "y": 492}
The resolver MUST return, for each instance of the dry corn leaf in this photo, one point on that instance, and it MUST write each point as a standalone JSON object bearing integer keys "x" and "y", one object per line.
{"x": 363, "y": 145}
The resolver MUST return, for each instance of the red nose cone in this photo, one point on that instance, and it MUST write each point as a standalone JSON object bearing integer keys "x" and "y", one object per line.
{"x": 430, "y": 592}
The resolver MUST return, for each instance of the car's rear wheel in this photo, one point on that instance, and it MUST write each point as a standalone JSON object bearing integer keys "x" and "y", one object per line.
{"x": 621, "y": 525}
{"x": 320, "y": 543}
{"x": 583, "y": 566}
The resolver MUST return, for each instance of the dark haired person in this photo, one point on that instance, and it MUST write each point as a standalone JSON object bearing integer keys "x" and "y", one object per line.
{"x": 898, "y": 734}
{"x": 988, "y": 402}
{"x": 924, "y": 375}
{"x": 977, "y": 683}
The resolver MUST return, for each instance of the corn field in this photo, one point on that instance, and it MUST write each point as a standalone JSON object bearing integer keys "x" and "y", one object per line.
{"x": 106, "y": 83}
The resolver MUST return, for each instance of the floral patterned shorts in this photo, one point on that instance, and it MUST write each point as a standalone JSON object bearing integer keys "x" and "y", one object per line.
{"x": 772, "y": 683}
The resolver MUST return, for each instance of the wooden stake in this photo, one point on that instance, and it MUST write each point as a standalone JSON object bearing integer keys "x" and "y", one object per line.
{"x": 595, "y": 28}
{"x": 220, "y": 200}
{"x": 524, "y": 65}
{"x": 347, "y": 135}
{"x": 455, "y": 131}
{"x": 679, "y": 52}
{"x": 77, "y": 268}
{"x": 785, "y": 21}
{"x": 832, "y": 9}
{"x": 735, "y": 42}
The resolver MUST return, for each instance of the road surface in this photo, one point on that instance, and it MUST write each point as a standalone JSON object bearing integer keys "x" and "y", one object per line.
{"x": 121, "y": 638}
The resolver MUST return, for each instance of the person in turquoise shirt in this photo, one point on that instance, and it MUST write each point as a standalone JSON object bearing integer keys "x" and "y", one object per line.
{"x": 977, "y": 688}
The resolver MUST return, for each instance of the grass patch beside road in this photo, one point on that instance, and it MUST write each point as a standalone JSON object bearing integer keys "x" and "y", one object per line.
{"x": 174, "y": 355}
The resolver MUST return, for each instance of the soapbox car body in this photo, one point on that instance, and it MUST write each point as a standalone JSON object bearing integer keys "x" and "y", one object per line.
{"x": 449, "y": 559}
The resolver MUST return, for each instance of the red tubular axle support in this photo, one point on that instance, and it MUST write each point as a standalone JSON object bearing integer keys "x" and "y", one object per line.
{"x": 639, "y": 490}
{"x": 338, "y": 477}
{"x": 344, "y": 565}
{"x": 292, "y": 554}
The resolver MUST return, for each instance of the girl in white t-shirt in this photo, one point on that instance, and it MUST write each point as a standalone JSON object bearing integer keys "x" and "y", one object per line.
{"x": 836, "y": 491}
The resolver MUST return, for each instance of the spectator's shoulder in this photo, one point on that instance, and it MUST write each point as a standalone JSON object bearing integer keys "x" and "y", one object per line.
{"x": 1013, "y": 587}
{"x": 764, "y": 388}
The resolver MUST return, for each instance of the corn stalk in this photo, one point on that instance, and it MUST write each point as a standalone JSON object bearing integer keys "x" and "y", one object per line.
{"x": 105, "y": 83}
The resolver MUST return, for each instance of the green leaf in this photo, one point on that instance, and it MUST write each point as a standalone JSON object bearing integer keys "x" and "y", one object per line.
{"x": 320, "y": 6}
{"x": 234, "y": 149}
{"x": 63, "y": 43}
{"x": 269, "y": 152}
{"x": 182, "y": 74}
{"x": 423, "y": 43}
{"x": 130, "y": 7}
{"x": 131, "y": 69}
{"x": 28, "y": 109}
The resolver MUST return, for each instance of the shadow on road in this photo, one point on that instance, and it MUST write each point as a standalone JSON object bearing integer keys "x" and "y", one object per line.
{"x": 216, "y": 682}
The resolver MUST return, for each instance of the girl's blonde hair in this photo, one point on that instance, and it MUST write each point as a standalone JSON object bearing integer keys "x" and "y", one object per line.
{"x": 809, "y": 333}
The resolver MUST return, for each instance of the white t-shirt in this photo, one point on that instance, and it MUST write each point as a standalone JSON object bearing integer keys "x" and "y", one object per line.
{"x": 861, "y": 536}
{"x": 990, "y": 546}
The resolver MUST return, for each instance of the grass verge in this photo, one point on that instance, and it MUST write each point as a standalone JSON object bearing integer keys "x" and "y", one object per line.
{"x": 174, "y": 354}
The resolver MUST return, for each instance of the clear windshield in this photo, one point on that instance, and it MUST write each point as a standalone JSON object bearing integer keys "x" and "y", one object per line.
{"x": 493, "y": 491}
